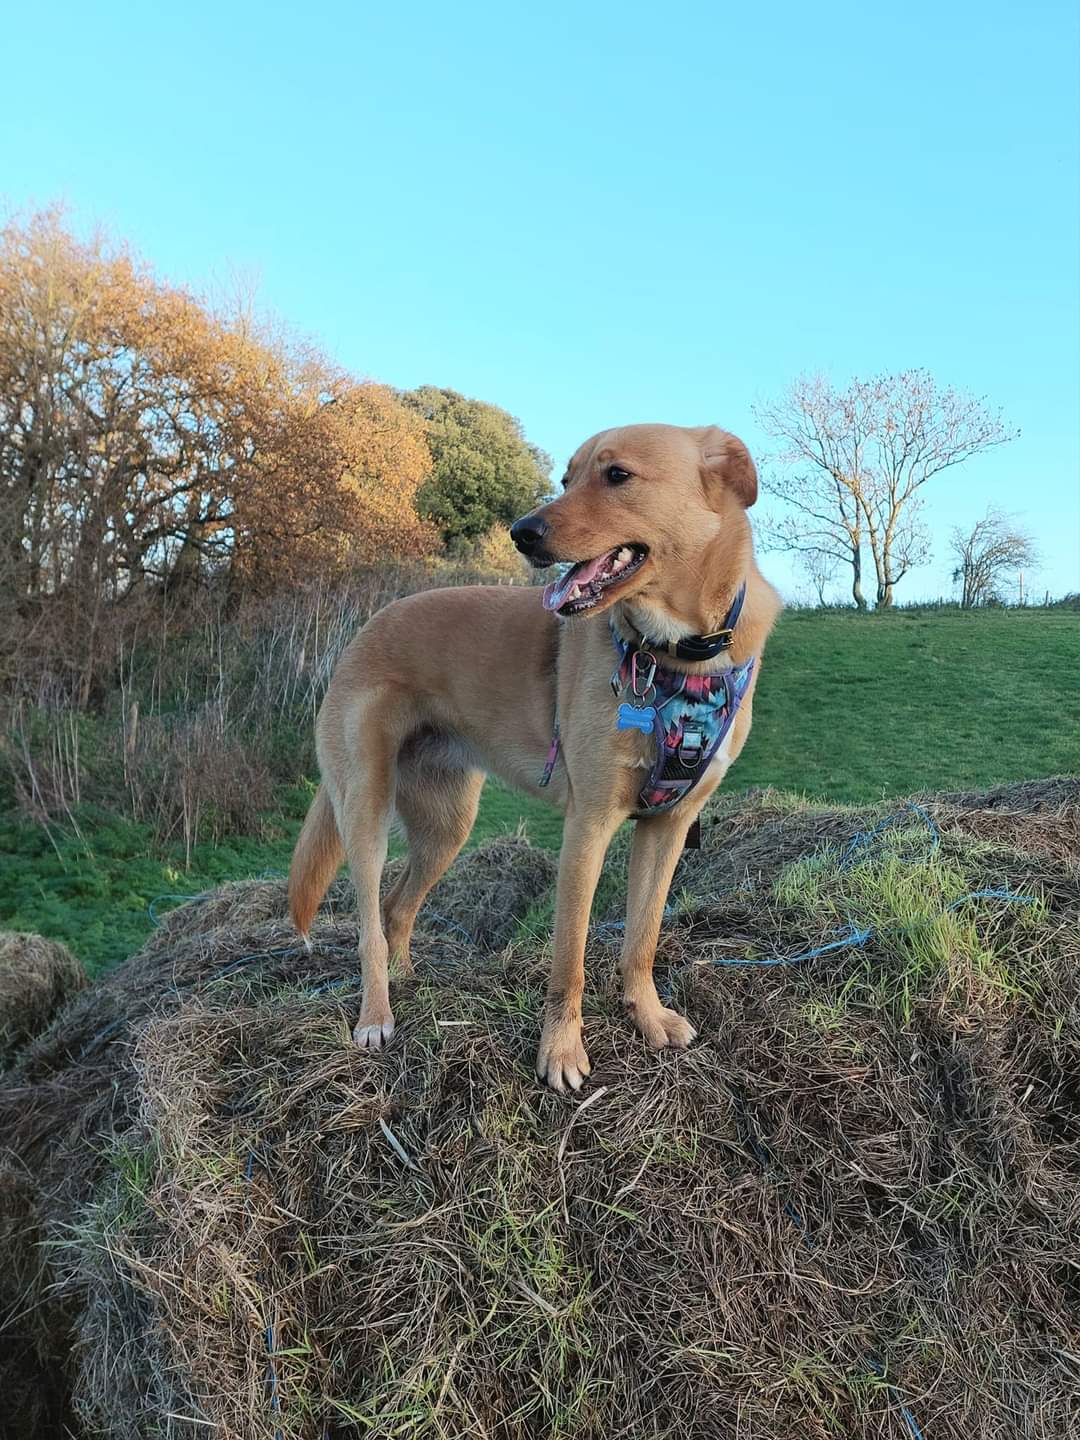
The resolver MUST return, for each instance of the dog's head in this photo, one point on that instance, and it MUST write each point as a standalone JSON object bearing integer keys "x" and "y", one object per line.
{"x": 639, "y": 508}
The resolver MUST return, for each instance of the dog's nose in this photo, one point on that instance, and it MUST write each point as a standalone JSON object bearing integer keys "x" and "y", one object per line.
{"x": 529, "y": 533}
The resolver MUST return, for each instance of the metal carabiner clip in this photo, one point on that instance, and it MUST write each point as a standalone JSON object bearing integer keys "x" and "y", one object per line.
{"x": 641, "y": 685}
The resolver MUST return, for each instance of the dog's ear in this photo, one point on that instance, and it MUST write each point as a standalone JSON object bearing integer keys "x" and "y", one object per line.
{"x": 726, "y": 461}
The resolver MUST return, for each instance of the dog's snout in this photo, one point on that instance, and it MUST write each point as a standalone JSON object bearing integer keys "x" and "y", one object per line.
{"x": 529, "y": 533}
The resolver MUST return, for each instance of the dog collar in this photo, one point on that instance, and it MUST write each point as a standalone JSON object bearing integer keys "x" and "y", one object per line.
{"x": 694, "y": 648}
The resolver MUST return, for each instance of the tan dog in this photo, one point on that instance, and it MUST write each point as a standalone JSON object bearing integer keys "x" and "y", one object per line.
{"x": 443, "y": 687}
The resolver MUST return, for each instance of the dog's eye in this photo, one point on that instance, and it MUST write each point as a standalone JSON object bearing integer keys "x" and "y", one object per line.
{"x": 616, "y": 475}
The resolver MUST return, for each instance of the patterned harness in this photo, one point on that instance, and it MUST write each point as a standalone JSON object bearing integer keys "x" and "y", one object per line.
{"x": 689, "y": 715}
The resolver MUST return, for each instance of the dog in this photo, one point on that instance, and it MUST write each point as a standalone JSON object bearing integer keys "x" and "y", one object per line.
{"x": 663, "y": 604}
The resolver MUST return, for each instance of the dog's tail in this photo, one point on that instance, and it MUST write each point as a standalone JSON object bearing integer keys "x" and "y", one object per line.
{"x": 318, "y": 854}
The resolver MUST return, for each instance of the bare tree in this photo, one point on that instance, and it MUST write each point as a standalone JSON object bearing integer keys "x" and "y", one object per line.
{"x": 820, "y": 569}
{"x": 815, "y": 535}
{"x": 853, "y": 463}
{"x": 994, "y": 547}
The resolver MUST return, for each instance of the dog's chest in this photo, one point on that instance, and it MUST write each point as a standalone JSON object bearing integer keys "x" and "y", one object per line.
{"x": 644, "y": 756}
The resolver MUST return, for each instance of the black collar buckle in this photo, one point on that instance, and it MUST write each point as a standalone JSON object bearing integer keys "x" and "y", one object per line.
{"x": 724, "y": 638}
{"x": 703, "y": 647}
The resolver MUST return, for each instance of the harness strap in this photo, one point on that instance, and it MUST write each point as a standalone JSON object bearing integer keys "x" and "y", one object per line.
{"x": 552, "y": 755}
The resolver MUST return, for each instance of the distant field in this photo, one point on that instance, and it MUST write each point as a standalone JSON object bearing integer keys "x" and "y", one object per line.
{"x": 857, "y": 707}
{"x": 853, "y": 708}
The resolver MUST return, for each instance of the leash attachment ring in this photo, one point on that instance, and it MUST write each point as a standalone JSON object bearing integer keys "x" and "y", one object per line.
{"x": 691, "y": 750}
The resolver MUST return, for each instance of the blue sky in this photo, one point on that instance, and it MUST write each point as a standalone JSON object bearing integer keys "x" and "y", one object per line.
{"x": 601, "y": 213}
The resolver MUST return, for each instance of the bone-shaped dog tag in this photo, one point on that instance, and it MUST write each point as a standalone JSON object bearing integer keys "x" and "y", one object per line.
{"x": 631, "y": 718}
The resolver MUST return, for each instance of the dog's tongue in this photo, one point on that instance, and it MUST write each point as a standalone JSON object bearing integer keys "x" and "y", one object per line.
{"x": 555, "y": 594}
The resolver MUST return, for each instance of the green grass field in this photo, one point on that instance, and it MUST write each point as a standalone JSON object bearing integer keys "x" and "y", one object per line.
{"x": 858, "y": 708}
{"x": 849, "y": 707}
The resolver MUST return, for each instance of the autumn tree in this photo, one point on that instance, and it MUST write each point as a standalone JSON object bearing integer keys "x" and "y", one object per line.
{"x": 994, "y": 549}
{"x": 852, "y": 465}
{"x": 484, "y": 471}
{"x": 93, "y": 451}
{"x": 336, "y": 488}
{"x": 150, "y": 445}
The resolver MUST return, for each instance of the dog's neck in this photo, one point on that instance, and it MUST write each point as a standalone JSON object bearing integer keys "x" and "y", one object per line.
{"x": 659, "y": 623}
{"x": 700, "y": 606}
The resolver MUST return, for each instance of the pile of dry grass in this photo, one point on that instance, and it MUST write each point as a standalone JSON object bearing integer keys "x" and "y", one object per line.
{"x": 36, "y": 977}
{"x": 748, "y": 843}
{"x": 1039, "y": 816}
{"x": 481, "y": 898}
{"x": 851, "y": 1209}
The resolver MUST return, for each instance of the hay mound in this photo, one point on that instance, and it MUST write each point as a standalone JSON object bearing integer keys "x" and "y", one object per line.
{"x": 852, "y": 1208}
{"x": 34, "y": 1393}
{"x": 747, "y": 841}
{"x": 481, "y": 898}
{"x": 1038, "y": 816}
{"x": 36, "y": 977}
{"x": 486, "y": 892}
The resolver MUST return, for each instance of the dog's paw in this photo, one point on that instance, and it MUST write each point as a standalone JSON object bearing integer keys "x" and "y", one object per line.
{"x": 373, "y": 1031}
{"x": 561, "y": 1060}
{"x": 662, "y": 1027}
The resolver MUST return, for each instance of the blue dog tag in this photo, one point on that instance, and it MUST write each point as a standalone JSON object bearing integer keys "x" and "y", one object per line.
{"x": 631, "y": 718}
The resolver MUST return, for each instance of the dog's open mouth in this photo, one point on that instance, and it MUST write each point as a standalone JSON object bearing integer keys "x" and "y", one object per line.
{"x": 581, "y": 587}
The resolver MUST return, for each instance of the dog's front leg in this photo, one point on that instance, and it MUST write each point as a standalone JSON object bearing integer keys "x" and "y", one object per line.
{"x": 658, "y": 842}
{"x": 562, "y": 1059}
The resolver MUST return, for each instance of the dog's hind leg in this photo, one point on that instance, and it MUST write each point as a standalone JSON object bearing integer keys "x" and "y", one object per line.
{"x": 437, "y": 807}
{"x": 365, "y": 771}
{"x": 657, "y": 845}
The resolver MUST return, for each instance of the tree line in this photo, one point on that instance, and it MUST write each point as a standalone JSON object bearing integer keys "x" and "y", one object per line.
{"x": 153, "y": 444}
{"x": 156, "y": 447}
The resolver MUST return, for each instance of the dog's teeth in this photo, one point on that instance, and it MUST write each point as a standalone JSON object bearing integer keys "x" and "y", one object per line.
{"x": 624, "y": 556}
{"x": 575, "y": 591}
